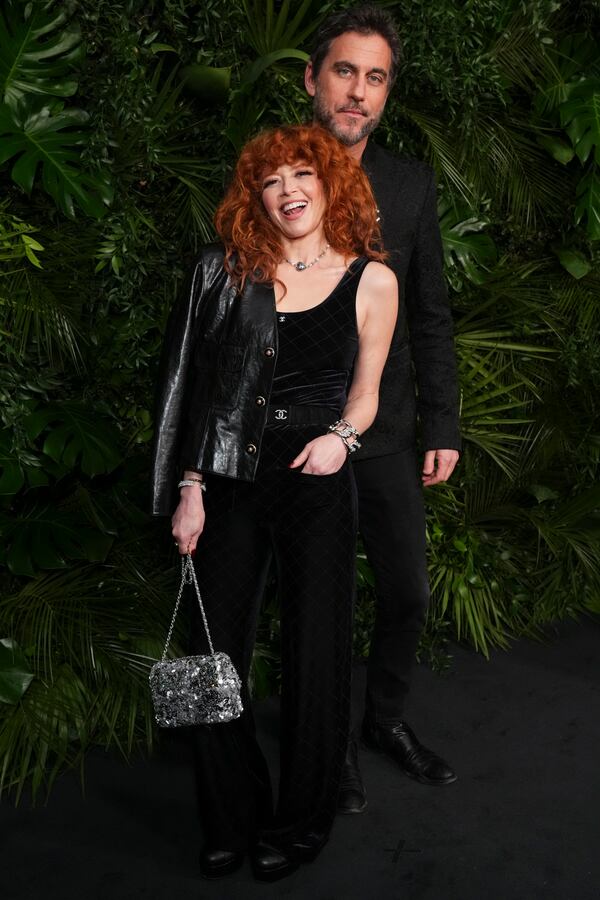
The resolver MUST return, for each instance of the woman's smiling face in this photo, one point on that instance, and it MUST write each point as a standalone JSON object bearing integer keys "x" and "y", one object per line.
{"x": 294, "y": 199}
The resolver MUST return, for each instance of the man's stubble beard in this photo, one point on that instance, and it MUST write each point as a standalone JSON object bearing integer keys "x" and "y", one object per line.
{"x": 347, "y": 137}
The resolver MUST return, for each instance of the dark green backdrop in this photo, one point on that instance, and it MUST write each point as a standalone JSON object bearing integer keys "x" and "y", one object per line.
{"x": 118, "y": 125}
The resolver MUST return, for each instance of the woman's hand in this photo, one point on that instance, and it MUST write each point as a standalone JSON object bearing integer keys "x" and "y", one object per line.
{"x": 322, "y": 456}
{"x": 188, "y": 519}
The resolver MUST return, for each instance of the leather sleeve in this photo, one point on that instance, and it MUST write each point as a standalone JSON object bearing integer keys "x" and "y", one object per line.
{"x": 170, "y": 398}
{"x": 431, "y": 333}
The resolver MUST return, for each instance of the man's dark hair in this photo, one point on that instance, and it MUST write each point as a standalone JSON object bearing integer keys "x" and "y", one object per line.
{"x": 364, "y": 20}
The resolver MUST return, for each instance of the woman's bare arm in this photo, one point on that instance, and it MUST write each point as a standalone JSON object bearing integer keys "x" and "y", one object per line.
{"x": 376, "y": 312}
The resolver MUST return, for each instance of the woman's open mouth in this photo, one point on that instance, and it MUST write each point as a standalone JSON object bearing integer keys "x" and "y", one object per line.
{"x": 294, "y": 209}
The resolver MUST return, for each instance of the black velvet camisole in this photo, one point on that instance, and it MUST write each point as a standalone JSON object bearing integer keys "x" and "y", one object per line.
{"x": 318, "y": 346}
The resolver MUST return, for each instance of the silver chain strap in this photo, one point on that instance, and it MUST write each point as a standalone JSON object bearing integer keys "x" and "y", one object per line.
{"x": 188, "y": 576}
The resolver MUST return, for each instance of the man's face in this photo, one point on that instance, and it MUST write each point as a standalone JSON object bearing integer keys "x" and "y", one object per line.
{"x": 352, "y": 86}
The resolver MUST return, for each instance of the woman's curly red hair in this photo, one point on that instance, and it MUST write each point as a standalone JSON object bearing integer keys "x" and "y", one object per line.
{"x": 253, "y": 243}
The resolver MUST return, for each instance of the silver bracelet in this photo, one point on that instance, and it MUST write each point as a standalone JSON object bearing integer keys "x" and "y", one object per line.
{"x": 345, "y": 430}
{"x": 190, "y": 482}
{"x": 350, "y": 447}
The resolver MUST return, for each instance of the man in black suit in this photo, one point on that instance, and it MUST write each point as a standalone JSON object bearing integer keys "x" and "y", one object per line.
{"x": 352, "y": 69}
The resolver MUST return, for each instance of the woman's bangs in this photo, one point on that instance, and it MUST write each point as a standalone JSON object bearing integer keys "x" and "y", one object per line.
{"x": 285, "y": 152}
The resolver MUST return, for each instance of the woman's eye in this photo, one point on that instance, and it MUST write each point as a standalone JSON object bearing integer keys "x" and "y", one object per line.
{"x": 305, "y": 172}
{"x": 269, "y": 182}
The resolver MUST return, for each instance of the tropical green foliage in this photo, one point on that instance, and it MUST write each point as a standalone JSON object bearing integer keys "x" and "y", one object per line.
{"x": 119, "y": 123}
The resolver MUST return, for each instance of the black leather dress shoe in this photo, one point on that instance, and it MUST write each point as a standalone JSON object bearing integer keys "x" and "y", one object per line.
{"x": 401, "y": 743}
{"x": 308, "y": 847}
{"x": 271, "y": 863}
{"x": 352, "y": 797}
{"x": 215, "y": 863}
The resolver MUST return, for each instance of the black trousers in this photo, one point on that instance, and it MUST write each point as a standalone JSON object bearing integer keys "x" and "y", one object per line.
{"x": 309, "y": 524}
{"x": 392, "y": 526}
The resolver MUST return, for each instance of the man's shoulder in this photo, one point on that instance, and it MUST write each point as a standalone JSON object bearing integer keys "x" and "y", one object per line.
{"x": 383, "y": 162}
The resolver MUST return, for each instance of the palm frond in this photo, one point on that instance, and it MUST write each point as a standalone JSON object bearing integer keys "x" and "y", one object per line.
{"x": 193, "y": 203}
{"x": 93, "y": 633}
{"x": 503, "y": 153}
{"x": 443, "y": 152}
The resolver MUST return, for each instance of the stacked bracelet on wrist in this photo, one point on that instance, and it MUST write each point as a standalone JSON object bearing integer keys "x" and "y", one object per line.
{"x": 345, "y": 431}
{"x": 190, "y": 482}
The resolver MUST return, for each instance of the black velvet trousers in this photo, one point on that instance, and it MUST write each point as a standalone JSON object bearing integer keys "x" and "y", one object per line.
{"x": 392, "y": 526}
{"x": 308, "y": 524}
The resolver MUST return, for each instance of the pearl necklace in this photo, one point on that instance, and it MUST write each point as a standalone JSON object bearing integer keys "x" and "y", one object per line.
{"x": 301, "y": 266}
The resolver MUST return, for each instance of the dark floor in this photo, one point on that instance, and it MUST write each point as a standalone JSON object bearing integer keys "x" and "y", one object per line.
{"x": 523, "y": 821}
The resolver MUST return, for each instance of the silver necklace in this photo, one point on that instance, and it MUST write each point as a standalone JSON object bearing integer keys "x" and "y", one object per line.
{"x": 301, "y": 266}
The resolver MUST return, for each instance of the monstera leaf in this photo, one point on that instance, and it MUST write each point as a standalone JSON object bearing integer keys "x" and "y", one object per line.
{"x": 15, "y": 676}
{"x": 464, "y": 245}
{"x": 45, "y": 538}
{"x": 575, "y": 54}
{"x": 580, "y": 114}
{"x": 38, "y": 47}
{"x": 76, "y": 436}
{"x": 44, "y": 135}
{"x": 17, "y": 470}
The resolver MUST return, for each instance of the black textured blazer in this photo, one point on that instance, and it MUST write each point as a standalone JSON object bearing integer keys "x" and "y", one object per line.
{"x": 420, "y": 374}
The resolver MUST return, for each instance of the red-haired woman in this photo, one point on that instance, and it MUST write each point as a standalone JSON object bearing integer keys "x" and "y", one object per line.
{"x": 270, "y": 372}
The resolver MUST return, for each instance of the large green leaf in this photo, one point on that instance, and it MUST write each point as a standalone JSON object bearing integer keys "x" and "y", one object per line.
{"x": 580, "y": 114}
{"x": 557, "y": 147}
{"x": 588, "y": 203}
{"x": 207, "y": 82}
{"x": 46, "y": 538}
{"x": 575, "y": 55}
{"x": 15, "y": 676}
{"x": 259, "y": 65}
{"x": 463, "y": 242}
{"x": 38, "y": 46}
{"x": 76, "y": 436}
{"x": 44, "y": 135}
{"x": 575, "y": 263}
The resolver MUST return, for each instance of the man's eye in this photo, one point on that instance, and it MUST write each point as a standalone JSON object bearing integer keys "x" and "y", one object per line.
{"x": 376, "y": 79}
{"x": 343, "y": 71}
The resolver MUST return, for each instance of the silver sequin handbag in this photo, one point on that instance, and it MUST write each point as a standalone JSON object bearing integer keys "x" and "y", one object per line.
{"x": 194, "y": 690}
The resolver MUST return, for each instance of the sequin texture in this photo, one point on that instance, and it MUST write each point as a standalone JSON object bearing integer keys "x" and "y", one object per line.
{"x": 195, "y": 690}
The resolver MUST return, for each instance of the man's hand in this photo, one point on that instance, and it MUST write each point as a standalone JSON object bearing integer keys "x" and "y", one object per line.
{"x": 438, "y": 465}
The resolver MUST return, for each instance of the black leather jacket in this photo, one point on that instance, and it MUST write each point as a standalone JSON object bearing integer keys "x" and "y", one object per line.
{"x": 215, "y": 380}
